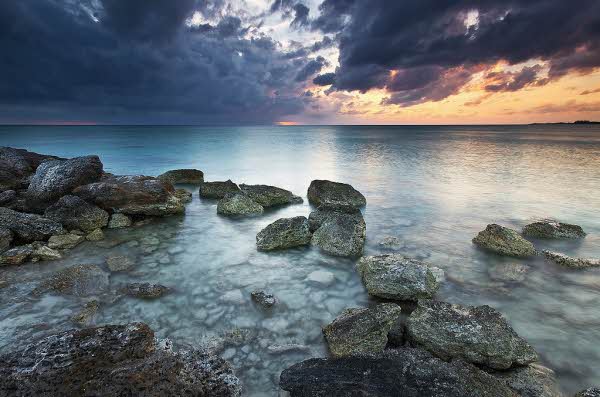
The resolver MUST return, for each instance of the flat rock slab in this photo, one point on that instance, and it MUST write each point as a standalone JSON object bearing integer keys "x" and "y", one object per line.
{"x": 341, "y": 234}
{"x": 269, "y": 196}
{"x": 550, "y": 229}
{"x": 567, "y": 261}
{"x": 79, "y": 280}
{"x": 119, "y": 263}
{"x": 284, "y": 233}
{"x": 187, "y": 176}
{"x": 477, "y": 334}
{"x": 238, "y": 204}
{"x": 334, "y": 194}
{"x": 27, "y": 228}
{"x": 218, "y": 189}
{"x": 504, "y": 241}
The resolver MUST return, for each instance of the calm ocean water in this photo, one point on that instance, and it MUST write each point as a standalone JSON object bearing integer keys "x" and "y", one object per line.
{"x": 432, "y": 187}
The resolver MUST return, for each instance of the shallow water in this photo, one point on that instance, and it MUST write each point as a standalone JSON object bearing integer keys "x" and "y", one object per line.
{"x": 432, "y": 187}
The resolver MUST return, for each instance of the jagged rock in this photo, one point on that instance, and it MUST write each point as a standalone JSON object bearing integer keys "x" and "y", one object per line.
{"x": 16, "y": 255}
{"x": 361, "y": 330}
{"x": 118, "y": 221}
{"x": 341, "y": 234}
{"x": 183, "y": 195}
{"x": 565, "y": 260}
{"x": 509, "y": 272}
{"x": 85, "y": 317}
{"x": 113, "y": 360}
{"x": 218, "y": 190}
{"x": 17, "y": 165}
{"x": 95, "y": 235}
{"x": 591, "y": 392}
{"x": 334, "y": 194}
{"x": 504, "y": 241}
{"x": 6, "y": 237}
{"x": 79, "y": 280}
{"x": 263, "y": 298}
{"x": 392, "y": 373}
{"x": 533, "y": 380}
{"x": 183, "y": 176}
{"x": 145, "y": 290}
{"x": 56, "y": 178}
{"x": 394, "y": 276}
{"x": 326, "y": 212}
{"x": 45, "y": 253}
{"x": 238, "y": 204}
{"x": 478, "y": 334}
{"x": 119, "y": 263}
{"x": 284, "y": 233}
{"x": 27, "y": 228}
{"x": 132, "y": 195}
{"x": 550, "y": 229}
{"x": 75, "y": 213}
{"x": 269, "y": 196}
{"x": 7, "y": 197}
{"x": 65, "y": 241}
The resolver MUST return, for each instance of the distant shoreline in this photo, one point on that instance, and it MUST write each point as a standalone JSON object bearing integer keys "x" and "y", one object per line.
{"x": 568, "y": 123}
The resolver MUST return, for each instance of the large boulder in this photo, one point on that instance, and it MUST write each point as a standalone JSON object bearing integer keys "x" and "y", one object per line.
{"x": 75, "y": 213}
{"x": 183, "y": 176}
{"x": 567, "y": 261}
{"x": 361, "y": 330}
{"x": 234, "y": 204}
{"x": 326, "y": 212}
{"x": 550, "y": 229}
{"x": 504, "y": 241}
{"x": 78, "y": 280}
{"x": 218, "y": 190}
{"x": 393, "y": 373}
{"x": 341, "y": 234}
{"x": 477, "y": 334}
{"x": 397, "y": 277}
{"x": 533, "y": 380}
{"x": 6, "y": 238}
{"x": 17, "y": 166}
{"x": 269, "y": 196}
{"x": 113, "y": 360}
{"x": 27, "y": 228}
{"x": 132, "y": 195}
{"x": 56, "y": 178}
{"x": 284, "y": 233}
{"x": 334, "y": 194}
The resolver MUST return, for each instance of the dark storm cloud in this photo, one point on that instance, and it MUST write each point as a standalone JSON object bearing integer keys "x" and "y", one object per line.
{"x": 300, "y": 15}
{"x": 324, "y": 79}
{"x": 292, "y": 9}
{"x": 302, "y": 51}
{"x": 514, "y": 81}
{"x": 311, "y": 68}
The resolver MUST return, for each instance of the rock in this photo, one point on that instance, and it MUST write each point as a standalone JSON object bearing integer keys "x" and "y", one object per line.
{"x": 183, "y": 176}
{"x": 395, "y": 276}
{"x": 27, "y": 228}
{"x": 390, "y": 242}
{"x": 284, "y": 233}
{"x": 591, "y": 392}
{"x": 86, "y": 316}
{"x": 341, "y": 235}
{"x": 218, "y": 190}
{"x": 269, "y": 196}
{"x": 504, "y": 241}
{"x": 550, "y": 229}
{"x": 7, "y": 197}
{"x": 509, "y": 272}
{"x": 56, "y": 178}
{"x": 79, "y": 280}
{"x": 145, "y": 290}
{"x": 361, "y": 330}
{"x": 477, "y": 334}
{"x": 392, "y": 373}
{"x": 396, "y": 334}
{"x": 334, "y": 194}
{"x": 119, "y": 263}
{"x": 321, "y": 277}
{"x": 326, "y": 212}
{"x": 118, "y": 221}
{"x": 65, "y": 241}
{"x": 75, "y": 213}
{"x": 287, "y": 348}
{"x": 263, "y": 298}
{"x": 565, "y": 260}
{"x": 533, "y": 380}
{"x": 95, "y": 235}
{"x": 132, "y": 195}
{"x": 6, "y": 238}
{"x": 238, "y": 204}
{"x": 17, "y": 165}
{"x": 113, "y": 360}
{"x": 45, "y": 253}
{"x": 183, "y": 195}
{"x": 16, "y": 255}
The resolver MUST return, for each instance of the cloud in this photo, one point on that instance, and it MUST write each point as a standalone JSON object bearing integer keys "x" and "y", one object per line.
{"x": 514, "y": 81}
{"x": 324, "y": 79}
{"x": 588, "y": 92}
{"x": 311, "y": 68}
{"x": 570, "y": 106}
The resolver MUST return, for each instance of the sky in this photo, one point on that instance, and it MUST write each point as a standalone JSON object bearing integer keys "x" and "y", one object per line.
{"x": 299, "y": 62}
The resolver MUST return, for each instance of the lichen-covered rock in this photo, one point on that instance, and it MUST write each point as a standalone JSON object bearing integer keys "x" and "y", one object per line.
{"x": 284, "y": 233}
{"x": 75, "y": 213}
{"x": 397, "y": 277}
{"x": 334, "y": 194}
{"x": 263, "y": 298}
{"x": 118, "y": 221}
{"x": 269, "y": 196}
{"x": 361, "y": 330}
{"x": 591, "y": 392}
{"x": 65, "y": 241}
{"x": 95, "y": 235}
{"x": 113, "y": 360}
{"x": 477, "y": 334}
{"x": 27, "y": 228}
{"x": 392, "y": 373}
{"x": 16, "y": 255}
{"x": 6, "y": 238}
{"x": 218, "y": 190}
{"x": 565, "y": 260}
{"x": 341, "y": 234}
{"x": 79, "y": 280}
{"x": 326, "y": 212}
{"x": 238, "y": 204}
{"x": 17, "y": 166}
{"x": 533, "y": 380}
{"x": 183, "y": 176}
{"x": 85, "y": 317}
{"x": 145, "y": 290}
{"x": 550, "y": 229}
{"x": 183, "y": 195}
{"x": 56, "y": 178}
{"x": 119, "y": 263}
{"x": 504, "y": 241}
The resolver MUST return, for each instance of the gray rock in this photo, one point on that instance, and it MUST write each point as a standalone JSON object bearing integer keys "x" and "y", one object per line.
{"x": 7, "y": 197}
{"x": 183, "y": 176}
{"x": 119, "y": 263}
{"x": 27, "y": 228}
{"x": 504, "y": 241}
{"x": 263, "y": 298}
{"x": 17, "y": 166}
{"x": 75, "y": 213}
{"x": 397, "y": 277}
{"x": 341, "y": 234}
{"x": 284, "y": 233}
{"x": 86, "y": 316}
{"x": 218, "y": 190}
{"x": 477, "y": 334}
{"x": 591, "y": 392}
{"x": 95, "y": 235}
{"x": 45, "y": 253}
{"x": 334, "y": 194}
{"x": 269, "y": 196}
{"x": 565, "y": 260}
{"x": 183, "y": 195}
{"x": 326, "y": 212}
{"x": 6, "y": 238}
{"x": 118, "y": 221}
{"x": 396, "y": 337}
{"x": 16, "y": 255}
{"x": 238, "y": 204}
{"x": 79, "y": 280}
{"x": 551, "y": 229}
{"x": 113, "y": 360}
{"x": 56, "y": 178}
{"x": 361, "y": 330}
{"x": 392, "y": 373}
{"x": 509, "y": 272}
{"x": 65, "y": 241}
{"x": 533, "y": 380}
{"x": 145, "y": 290}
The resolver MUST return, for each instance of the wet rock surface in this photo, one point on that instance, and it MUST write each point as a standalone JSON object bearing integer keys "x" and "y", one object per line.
{"x": 263, "y": 298}
{"x": 238, "y": 204}
{"x": 269, "y": 196}
{"x": 183, "y": 195}
{"x": 341, "y": 234}
{"x": 78, "y": 280}
{"x": 334, "y": 194}
{"x": 551, "y": 229}
{"x": 118, "y": 221}
{"x": 533, "y": 380}
{"x": 16, "y": 255}
{"x": 17, "y": 165}
{"x": 567, "y": 261}
{"x": 44, "y": 253}
{"x": 145, "y": 290}
{"x": 284, "y": 233}
{"x": 326, "y": 212}
{"x": 119, "y": 263}
{"x": 27, "y": 228}
{"x": 75, "y": 213}
{"x": 95, "y": 235}
{"x": 504, "y": 241}
{"x": 218, "y": 189}
{"x": 85, "y": 317}
{"x": 187, "y": 176}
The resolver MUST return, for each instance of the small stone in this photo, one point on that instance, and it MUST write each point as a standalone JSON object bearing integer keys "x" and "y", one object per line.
{"x": 567, "y": 261}
{"x": 321, "y": 277}
{"x": 263, "y": 298}
{"x": 150, "y": 240}
{"x": 551, "y": 229}
{"x": 119, "y": 263}
{"x": 96, "y": 235}
{"x": 16, "y": 255}
{"x": 287, "y": 348}
{"x": 65, "y": 241}
{"x": 504, "y": 241}
{"x": 145, "y": 290}
{"x": 86, "y": 316}
{"x": 119, "y": 220}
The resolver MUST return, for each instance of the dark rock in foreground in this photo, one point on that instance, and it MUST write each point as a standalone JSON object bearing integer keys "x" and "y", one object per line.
{"x": 27, "y": 228}
{"x": 533, "y": 380}
{"x": 334, "y": 194}
{"x": 17, "y": 166}
{"x": 238, "y": 204}
{"x": 393, "y": 373}
{"x": 269, "y": 196}
{"x": 565, "y": 260}
{"x": 6, "y": 237}
{"x": 75, "y": 213}
{"x": 263, "y": 298}
{"x": 550, "y": 229}
{"x": 284, "y": 233}
{"x": 477, "y": 334}
{"x": 145, "y": 290}
{"x": 218, "y": 190}
{"x": 591, "y": 392}
{"x": 183, "y": 176}
{"x": 504, "y": 241}
{"x": 16, "y": 255}
{"x": 341, "y": 234}
{"x": 114, "y": 360}
{"x": 79, "y": 280}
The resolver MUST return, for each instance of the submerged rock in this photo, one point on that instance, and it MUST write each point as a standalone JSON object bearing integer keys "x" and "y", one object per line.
{"x": 75, "y": 213}
{"x": 341, "y": 234}
{"x": 119, "y": 263}
{"x": 17, "y": 166}
{"x": 183, "y": 176}
{"x": 284, "y": 233}
{"x": 86, "y": 316}
{"x": 234, "y": 204}
{"x": 145, "y": 290}
{"x": 218, "y": 190}
{"x": 395, "y": 276}
{"x": 477, "y": 334}
{"x": 16, "y": 255}
{"x": 390, "y": 242}
{"x": 183, "y": 195}
{"x": 533, "y": 380}
{"x": 263, "y": 298}
{"x": 392, "y": 373}
{"x": 504, "y": 241}
{"x": 113, "y": 360}
{"x": 6, "y": 238}
{"x": 565, "y": 260}
{"x": 334, "y": 194}
{"x": 361, "y": 330}
{"x": 550, "y": 229}
{"x": 79, "y": 280}
{"x": 269, "y": 196}
{"x": 509, "y": 272}
{"x": 27, "y": 228}
{"x": 118, "y": 221}
{"x": 65, "y": 241}
{"x": 591, "y": 392}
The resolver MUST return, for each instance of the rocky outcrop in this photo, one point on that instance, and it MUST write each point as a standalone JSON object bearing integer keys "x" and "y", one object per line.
{"x": 284, "y": 233}
{"x": 17, "y": 166}
{"x": 361, "y": 330}
{"x": 567, "y": 261}
{"x": 504, "y": 241}
{"x": 591, "y": 392}
{"x": 550, "y": 229}
{"x": 56, "y": 178}
{"x": 341, "y": 234}
{"x": 6, "y": 237}
{"x": 16, "y": 255}
{"x": 183, "y": 195}
{"x": 238, "y": 204}
{"x": 269, "y": 196}
{"x": 145, "y": 290}
{"x": 75, "y": 213}
{"x": 533, "y": 380}
{"x": 183, "y": 176}
{"x": 263, "y": 298}
{"x": 118, "y": 221}
{"x": 218, "y": 190}
{"x": 79, "y": 280}
{"x": 27, "y": 228}
{"x": 402, "y": 372}
{"x": 334, "y": 194}
{"x": 113, "y": 360}
{"x": 477, "y": 334}
{"x": 65, "y": 241}
{"x": 397, "y": 277}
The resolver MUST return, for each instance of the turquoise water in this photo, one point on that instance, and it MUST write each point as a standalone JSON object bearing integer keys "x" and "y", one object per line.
{"x": 432, "y": 187}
